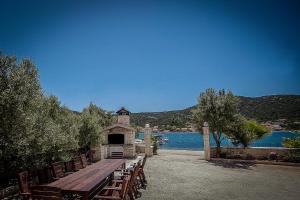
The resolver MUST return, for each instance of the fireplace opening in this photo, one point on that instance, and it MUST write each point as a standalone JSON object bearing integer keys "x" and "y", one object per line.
{"x": 116, "y": 139}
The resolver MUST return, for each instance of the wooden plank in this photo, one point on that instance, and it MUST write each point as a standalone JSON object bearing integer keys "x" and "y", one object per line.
{"x": 85, "y": 180}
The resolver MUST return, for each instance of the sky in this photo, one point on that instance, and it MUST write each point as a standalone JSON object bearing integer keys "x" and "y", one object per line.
{"x": 155, "y": 55}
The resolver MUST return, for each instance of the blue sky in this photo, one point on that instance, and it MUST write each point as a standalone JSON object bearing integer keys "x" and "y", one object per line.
{"x": 155, "y": 55}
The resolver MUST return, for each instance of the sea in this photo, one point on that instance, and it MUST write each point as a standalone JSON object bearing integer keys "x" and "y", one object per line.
{"x": 194, "y": 140}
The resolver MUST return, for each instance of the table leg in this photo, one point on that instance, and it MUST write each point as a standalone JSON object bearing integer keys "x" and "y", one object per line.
{"x": 85, "y": 196}
{"x": 111, "y": 177}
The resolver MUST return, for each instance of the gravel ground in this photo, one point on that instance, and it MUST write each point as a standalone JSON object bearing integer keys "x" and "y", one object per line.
{"x": 185, "y": 175}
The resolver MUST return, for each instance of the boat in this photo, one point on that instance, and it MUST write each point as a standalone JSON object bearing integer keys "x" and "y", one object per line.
{"x": 161, "y": 140}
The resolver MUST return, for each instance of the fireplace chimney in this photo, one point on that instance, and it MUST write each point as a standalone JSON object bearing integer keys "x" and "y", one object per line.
{"x": 123, "y": 116}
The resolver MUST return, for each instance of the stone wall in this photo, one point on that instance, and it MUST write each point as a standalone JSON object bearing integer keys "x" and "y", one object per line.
{"x": 256, "y": 152}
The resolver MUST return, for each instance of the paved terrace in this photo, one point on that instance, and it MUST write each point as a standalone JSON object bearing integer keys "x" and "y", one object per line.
{"x": 183, "y": 175}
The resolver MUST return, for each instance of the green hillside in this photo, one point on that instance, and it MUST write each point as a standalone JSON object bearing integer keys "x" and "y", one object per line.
{"x": 263, "y": 108}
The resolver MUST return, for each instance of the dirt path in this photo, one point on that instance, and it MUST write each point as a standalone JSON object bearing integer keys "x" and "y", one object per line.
{"x": 180, "y": 175}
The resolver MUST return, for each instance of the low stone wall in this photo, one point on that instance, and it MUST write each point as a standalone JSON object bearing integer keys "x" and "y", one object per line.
{"x": 255, "y": 152}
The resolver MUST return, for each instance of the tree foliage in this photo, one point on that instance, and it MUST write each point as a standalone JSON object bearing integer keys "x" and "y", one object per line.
{"x": 218, "y": 109}
{"x": 35, "y": 129}
{"x": 292, "y": 142}
{"x": 243, "y": 131}
{"x": 94, "y": 119}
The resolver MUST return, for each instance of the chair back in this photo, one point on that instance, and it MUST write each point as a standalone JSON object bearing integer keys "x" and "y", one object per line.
{"x": 45, "y": 175}
{"x": 134, "y": 174}
{"x": 69, "y": 166}
{"x": 58, "y": 170}
{"x": 83, "y": 160}
{"x": 90, "y": 156}
{"x": 77, "y": 164}
{"x": 33, "y": 177}
{"x": 42, "y": 192}
{"x": 144, "y": 161}
{"x": 125, "y": 188}
{"x": 136, "y": 170}
{"x": 23, "y": 180}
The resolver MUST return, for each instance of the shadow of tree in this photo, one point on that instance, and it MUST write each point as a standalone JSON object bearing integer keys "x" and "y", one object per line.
{"x": 233, "y": 164}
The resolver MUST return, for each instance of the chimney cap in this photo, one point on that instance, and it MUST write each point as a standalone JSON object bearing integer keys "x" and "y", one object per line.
{"x": 123, "y": 111}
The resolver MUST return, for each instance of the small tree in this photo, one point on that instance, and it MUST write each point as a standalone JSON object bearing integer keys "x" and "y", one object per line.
{"x": 93, "y": 120}
{"x": 218, "y": 109}
{"x": 243, "y": 131}
{"x": 292, "y": 142}
{"x": 293, "y": 155}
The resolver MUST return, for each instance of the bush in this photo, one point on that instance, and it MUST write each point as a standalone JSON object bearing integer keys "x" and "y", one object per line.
{"x": 292, "y": 142}
{"x": 155, "y": 144}
{"x": 273, "y": 156}
{"x": 243, "y": 131}
{"x": 293, "y": 155}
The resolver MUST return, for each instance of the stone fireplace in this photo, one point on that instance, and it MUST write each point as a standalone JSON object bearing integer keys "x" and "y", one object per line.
{"x": 119, "y": 139}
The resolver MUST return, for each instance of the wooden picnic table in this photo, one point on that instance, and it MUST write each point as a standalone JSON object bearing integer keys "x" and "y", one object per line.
{"x": 87, "y": 181}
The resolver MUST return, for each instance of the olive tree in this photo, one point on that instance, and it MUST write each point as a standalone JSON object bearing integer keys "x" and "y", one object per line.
{"x": 34, "y": 128}
{"x": 57, "y": 130}
{"x": 20, "y": 95}
{"x": 218, "y": 108}
{"x": 243, "y": 131}
{"x": 93, "y": 120}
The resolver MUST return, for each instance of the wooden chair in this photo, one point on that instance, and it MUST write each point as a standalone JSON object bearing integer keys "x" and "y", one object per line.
{"x": 77, "y": 164}
{"x": 23, "y": 179}
{"x": 33, "y": 177}
{"x": 83, "y": 160}
{"x": 142, "y": 174}
{"x": 69, "y": 167}
{"x": 58, "y": 170}
{"x": 45, "y": 175}
{"x": 133, "y": 183}
{"x": 118, "y": 192}
{"x": 90, "y": 156}
{"x": 42, "y": 192}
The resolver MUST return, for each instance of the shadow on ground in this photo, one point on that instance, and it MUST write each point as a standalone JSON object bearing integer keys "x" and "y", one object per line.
{"x": 232, "y": 164}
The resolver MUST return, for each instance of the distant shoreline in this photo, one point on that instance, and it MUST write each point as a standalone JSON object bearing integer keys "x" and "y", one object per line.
{"x": 164, "y": 132}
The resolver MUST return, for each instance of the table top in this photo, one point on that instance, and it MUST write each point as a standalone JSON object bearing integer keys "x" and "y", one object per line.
{"x": 86, "y": 179}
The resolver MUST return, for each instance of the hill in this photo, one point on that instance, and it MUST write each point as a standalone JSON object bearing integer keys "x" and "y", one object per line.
{"x": 265, "y": 108}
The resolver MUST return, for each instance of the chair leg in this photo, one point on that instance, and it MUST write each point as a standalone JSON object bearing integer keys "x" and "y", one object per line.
{"x": 130, "y": 194}
{"x": 143, "y": 176}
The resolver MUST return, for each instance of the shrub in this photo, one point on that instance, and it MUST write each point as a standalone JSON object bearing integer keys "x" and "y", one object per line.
{"x": 273, "y": 156}
{"x": 243, "y": 131}
{"x": 292, "y": 142}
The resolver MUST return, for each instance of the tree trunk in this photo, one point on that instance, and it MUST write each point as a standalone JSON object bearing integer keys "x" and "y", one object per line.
{"x": 218, "y": 152}
{"x": 217, "y": 138}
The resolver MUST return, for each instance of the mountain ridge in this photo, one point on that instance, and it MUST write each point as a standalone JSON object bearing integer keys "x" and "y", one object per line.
{"x": 263, "y": 108}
